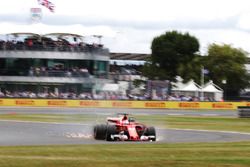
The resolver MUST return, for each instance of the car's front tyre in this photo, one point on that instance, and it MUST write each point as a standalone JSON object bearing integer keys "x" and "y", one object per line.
{"x": 150, "y": 132}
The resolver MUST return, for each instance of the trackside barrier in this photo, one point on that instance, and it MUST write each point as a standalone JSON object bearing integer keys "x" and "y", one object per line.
{"x": 121, "y": 104}
{"x": 244, "y": 111}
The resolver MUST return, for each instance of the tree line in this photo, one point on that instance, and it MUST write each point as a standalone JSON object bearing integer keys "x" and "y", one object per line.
{"x": 177, "y": 54}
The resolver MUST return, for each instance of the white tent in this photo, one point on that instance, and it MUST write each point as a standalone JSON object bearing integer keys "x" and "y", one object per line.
{"x": 191, "y": 86}
{"x": 189, "y": 89}
{"x": 211, "y": 88}
{"x": 178, "y": 85}
{"x": 213, "y": 91}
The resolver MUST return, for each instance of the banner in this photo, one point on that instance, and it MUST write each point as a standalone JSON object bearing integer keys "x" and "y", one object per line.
{"x": 123, "y": 104}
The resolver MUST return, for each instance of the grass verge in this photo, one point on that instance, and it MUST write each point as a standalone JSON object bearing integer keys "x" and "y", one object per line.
{"x": 133, "y": 155}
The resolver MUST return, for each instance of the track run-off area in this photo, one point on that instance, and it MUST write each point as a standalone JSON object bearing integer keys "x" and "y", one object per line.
{"x": 16, "y": 128}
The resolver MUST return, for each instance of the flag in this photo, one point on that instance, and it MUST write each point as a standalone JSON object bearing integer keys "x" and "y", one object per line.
{"x": 205, "y": 71}
{"x": 47, "y": 4}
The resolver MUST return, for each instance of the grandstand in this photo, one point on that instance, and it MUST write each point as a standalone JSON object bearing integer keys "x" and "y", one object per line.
{"x": 51, "y": 64}
{"x": 62, "y": 65}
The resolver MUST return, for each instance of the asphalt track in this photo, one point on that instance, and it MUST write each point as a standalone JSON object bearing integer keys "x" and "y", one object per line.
{"x": 39, "y": 133}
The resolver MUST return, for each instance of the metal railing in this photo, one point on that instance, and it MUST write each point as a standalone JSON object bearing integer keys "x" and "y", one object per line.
{"x": 46, "y": 73}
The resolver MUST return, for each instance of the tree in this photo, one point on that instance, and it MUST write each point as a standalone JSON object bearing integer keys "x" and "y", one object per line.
{"x": 170, "y": 52}
{"x": 227, "y": 68}
{"x": 191, "y": 69}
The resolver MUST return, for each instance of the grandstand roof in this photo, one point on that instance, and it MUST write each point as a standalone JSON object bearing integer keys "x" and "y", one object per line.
{"x": 42, "y": 29}
{"x": 129, "y": 56}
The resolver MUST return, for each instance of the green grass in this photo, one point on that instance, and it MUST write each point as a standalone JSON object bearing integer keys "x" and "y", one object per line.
{"x": 132, "y": 155}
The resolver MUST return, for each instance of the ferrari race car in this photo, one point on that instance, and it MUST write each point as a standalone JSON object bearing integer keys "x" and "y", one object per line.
{"x": 124, "y": 128}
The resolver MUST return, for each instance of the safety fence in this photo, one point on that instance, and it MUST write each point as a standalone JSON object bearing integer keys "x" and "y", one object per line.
{"x": 121, "y": 104}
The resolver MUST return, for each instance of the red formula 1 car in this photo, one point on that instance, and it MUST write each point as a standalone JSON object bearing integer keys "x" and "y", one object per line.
{"x": 124, "y": 128}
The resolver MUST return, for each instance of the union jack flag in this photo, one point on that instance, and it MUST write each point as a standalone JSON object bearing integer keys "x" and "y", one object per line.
{"x": 47, "y": 4}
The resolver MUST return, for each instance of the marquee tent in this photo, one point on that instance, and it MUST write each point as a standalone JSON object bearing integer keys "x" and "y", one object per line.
{"x": 213, "y": 91}
{"x": 210, "y": 90}
{"x": 188, "y": 89}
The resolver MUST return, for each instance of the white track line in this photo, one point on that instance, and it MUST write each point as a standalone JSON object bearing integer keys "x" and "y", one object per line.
{"x": 174, "y": 114}
{"x": 212, "y": 131}
{"x": 209, "y": 114}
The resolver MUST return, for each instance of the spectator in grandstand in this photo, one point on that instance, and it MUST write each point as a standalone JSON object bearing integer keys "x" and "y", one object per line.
{"x": 31, "y": 71}
{"x": 2, "y": 45}
{"x": 52, "y": 95}
{"x": 37, "y": 71}
{"x": 1, "y": 94}
{"x": 31, "y": 94}
{"x": 86, "y": 96}
{"x": 42, "y": 95}
{"x": 43, "y": 71}
{"x": 8, "y": 93}
{"x": 68, "y": 73}
{"x": 63, "y": 95}
{"x": 30, "y": 44}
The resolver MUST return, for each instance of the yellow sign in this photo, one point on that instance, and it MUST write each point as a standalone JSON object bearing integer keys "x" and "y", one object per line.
{"x": 122, "y": 104}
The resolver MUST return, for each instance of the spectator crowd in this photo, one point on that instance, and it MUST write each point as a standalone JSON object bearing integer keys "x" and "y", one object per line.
{"x": 59, "y": 71}
{"x": 97, "y": 96}
{"x": 39, "y": 43}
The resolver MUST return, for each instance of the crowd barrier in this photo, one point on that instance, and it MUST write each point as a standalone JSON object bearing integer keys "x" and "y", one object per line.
{"x": 121, "y": 104}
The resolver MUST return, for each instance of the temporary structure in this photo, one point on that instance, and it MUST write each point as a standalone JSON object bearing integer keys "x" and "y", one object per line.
{"x": 213, "y": 91}
{"x": 188, "y": 89}
{"x": 191, "y": 86}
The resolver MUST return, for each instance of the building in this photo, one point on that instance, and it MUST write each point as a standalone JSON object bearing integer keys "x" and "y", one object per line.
{"x": 54, "y": 63}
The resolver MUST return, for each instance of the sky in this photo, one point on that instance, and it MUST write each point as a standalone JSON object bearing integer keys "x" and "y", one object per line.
{"x": 130, "y": 25}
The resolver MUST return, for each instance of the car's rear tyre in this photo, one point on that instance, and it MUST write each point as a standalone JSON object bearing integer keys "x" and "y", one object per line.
{"x": 111, "y": 130}
{"x": 150, "y": 131}
{"x": 100, "y": 132}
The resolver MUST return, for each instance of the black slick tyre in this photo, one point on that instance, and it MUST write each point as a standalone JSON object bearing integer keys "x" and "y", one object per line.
{"x": 150, "y": 131}
{"x": 111, "y": 130}
{"x": 100, "y": 132}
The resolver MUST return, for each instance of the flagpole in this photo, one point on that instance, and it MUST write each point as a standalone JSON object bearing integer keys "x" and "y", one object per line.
{"x": 202, "y": 83}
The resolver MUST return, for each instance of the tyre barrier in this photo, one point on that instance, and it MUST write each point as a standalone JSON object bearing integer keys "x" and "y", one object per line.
{"x": 244, "y": 111}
